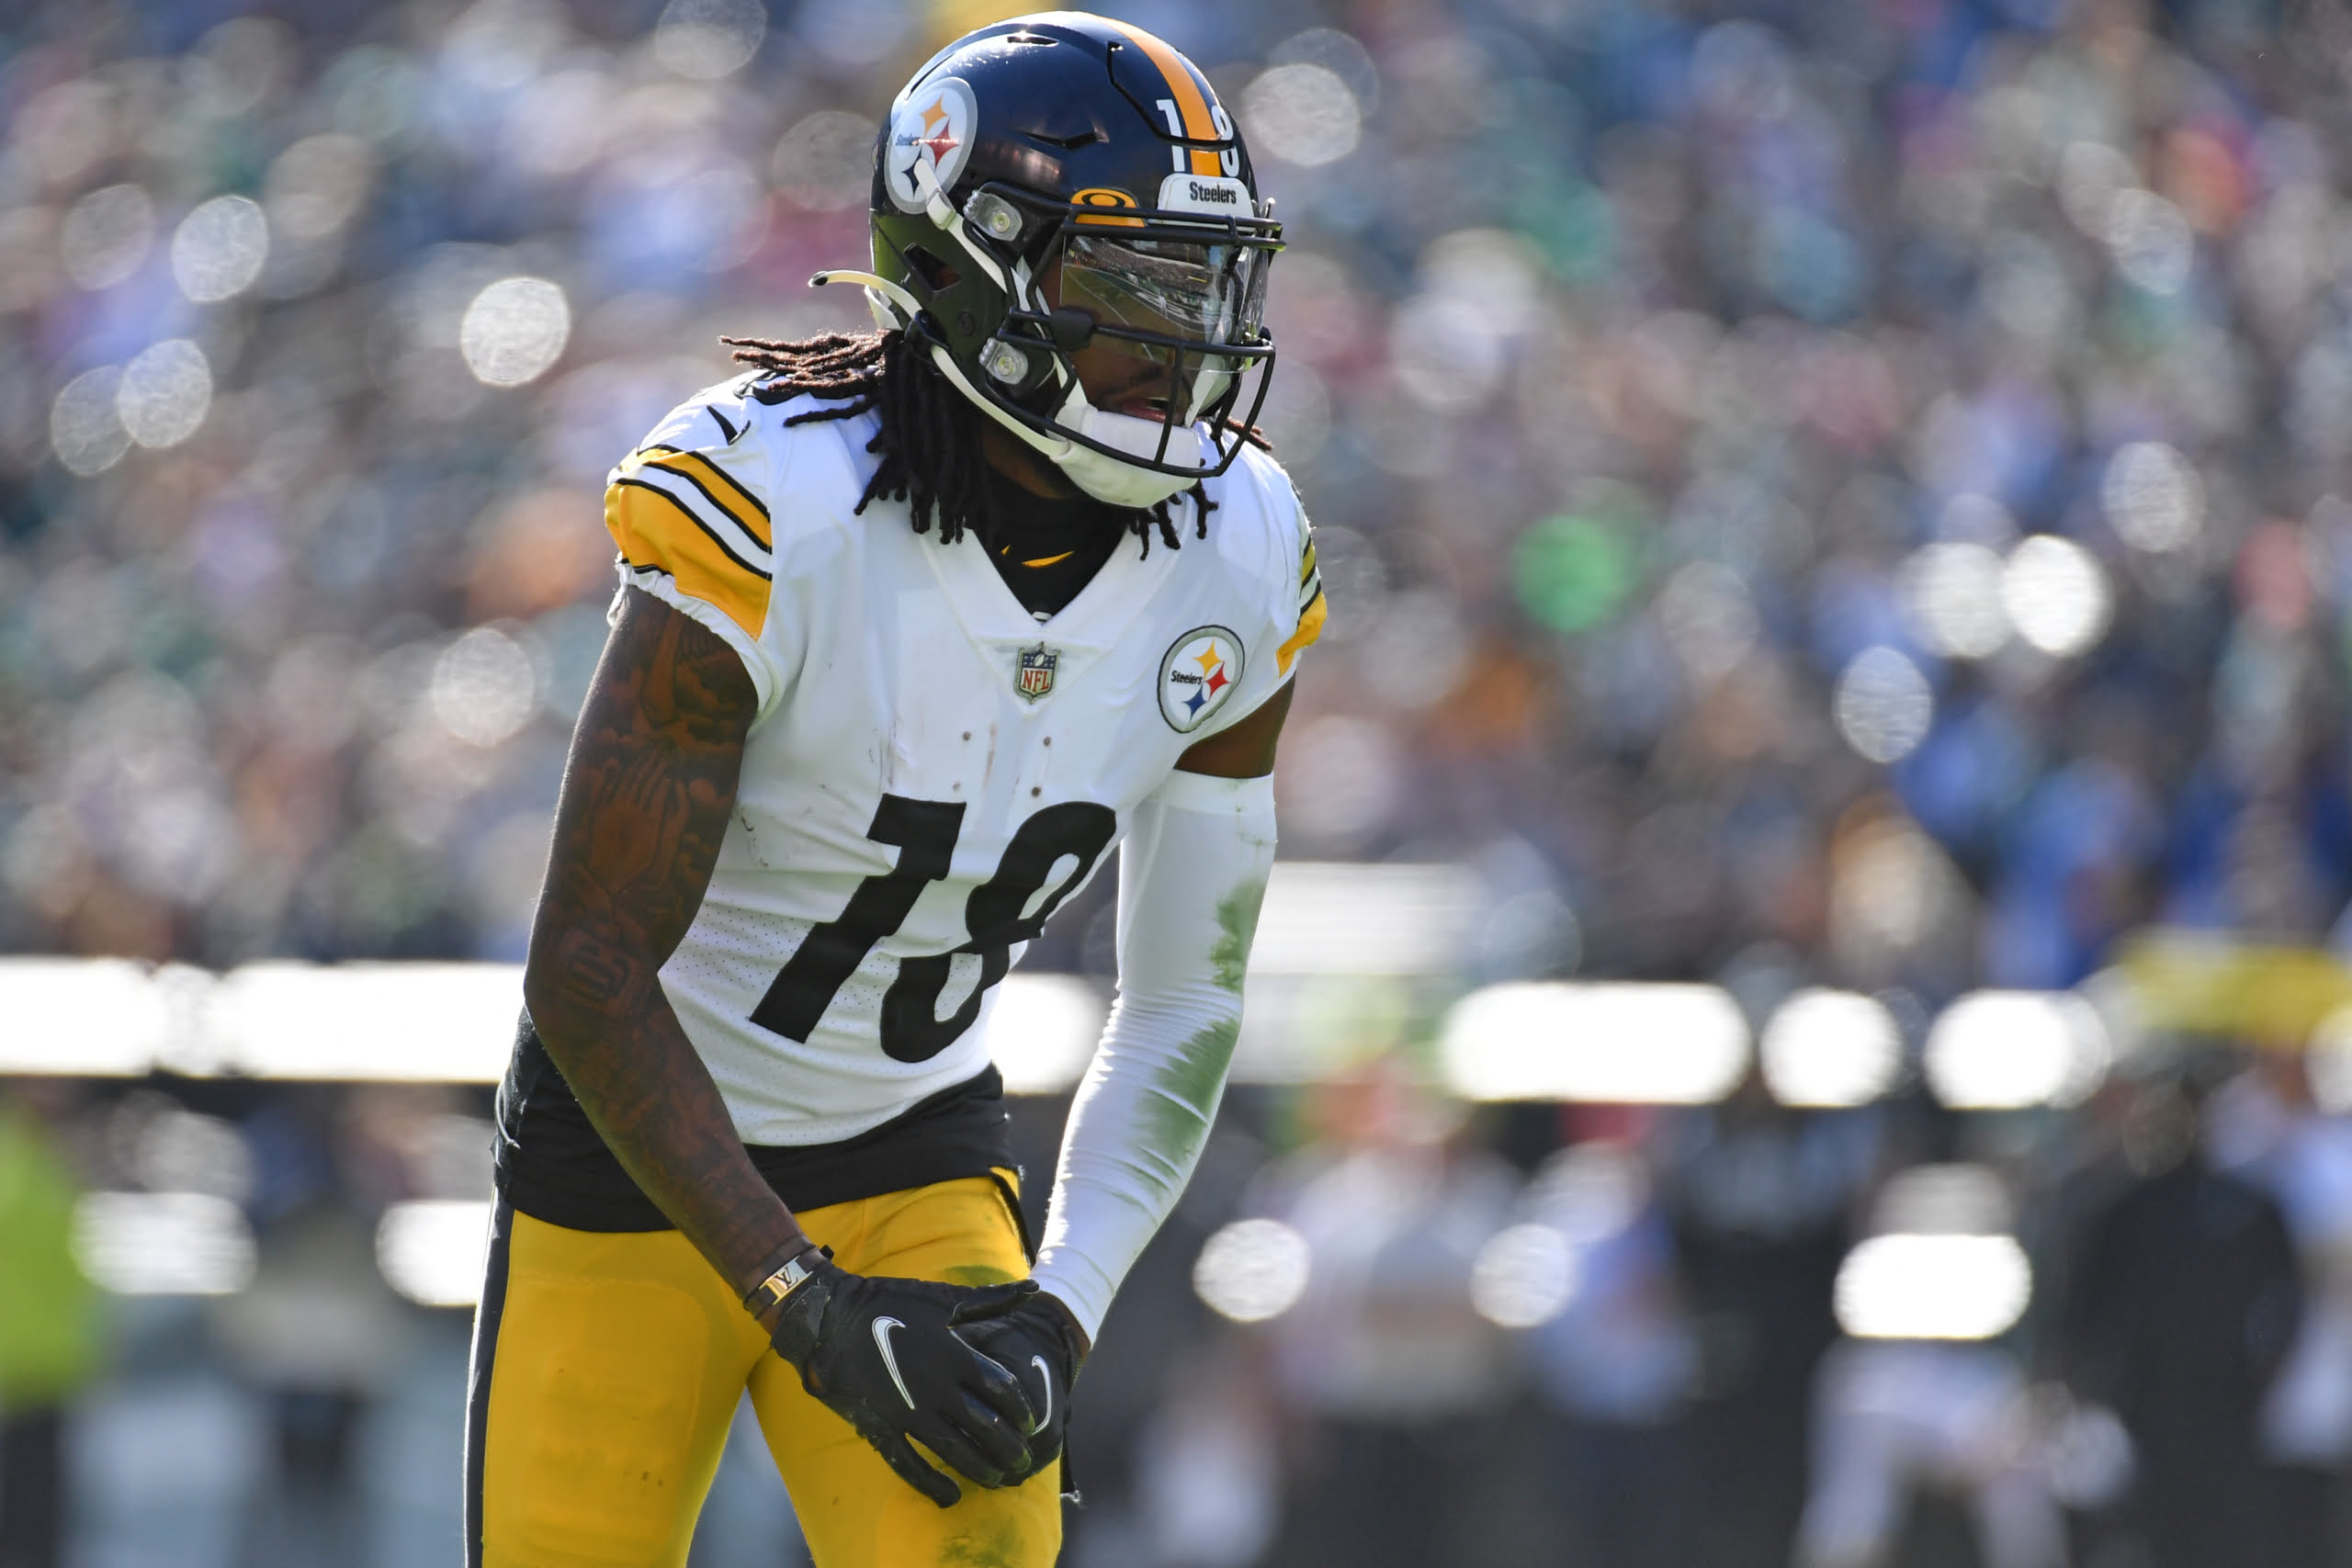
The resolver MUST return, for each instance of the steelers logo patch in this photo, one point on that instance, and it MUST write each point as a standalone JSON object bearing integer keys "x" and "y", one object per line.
{"x": 1198, "y": 677}
{"x": 930, "y": 126}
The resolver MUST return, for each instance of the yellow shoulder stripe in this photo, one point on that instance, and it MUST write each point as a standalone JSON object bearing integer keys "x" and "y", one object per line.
{"x": 717, "y": 485}
{"x": 1306, "y": 564}
{"x": 1310, "y": 627}
{"x": 653, "y": 531}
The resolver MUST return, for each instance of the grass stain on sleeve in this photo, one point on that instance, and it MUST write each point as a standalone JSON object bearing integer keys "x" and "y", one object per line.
{"x": 1181, "y": 1101}
{"x": 1236, "y": 925}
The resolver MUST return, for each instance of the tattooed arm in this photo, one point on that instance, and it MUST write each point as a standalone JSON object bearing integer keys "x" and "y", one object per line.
{"x": 646, "y": 799}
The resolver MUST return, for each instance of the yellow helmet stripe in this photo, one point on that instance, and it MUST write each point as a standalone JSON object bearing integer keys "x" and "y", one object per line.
{"x": 1191, "y": 104}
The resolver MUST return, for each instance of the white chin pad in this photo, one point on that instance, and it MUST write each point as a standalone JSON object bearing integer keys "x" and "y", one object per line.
{"x": 1116, "y": 483}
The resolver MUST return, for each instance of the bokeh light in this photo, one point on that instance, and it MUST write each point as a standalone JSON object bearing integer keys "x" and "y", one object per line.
{"x": 1524, "y": 1276}
{"x": 1302, "y": 114}
{"x": 825, "y": 161}
{"x": 2056, "y": 594}
{"x": 1568, "y": 1041}
{"x": 164, "y": 1243}
{"x": 318, "y": 186}
{"x": 431, "y": 1249}
{"x": 1883, "y": 704}
{"x": 1708, "y": 618}
{"x": 164, "y": 394}
{"x": 2152, "y": 497}
{"x": 1933, "y": 1287}
{"x": 2015, "y": 1050}
{"x": 1572, "y": 572}
{"x": 484, "y": 687}
{"x": 1893, "y": 894}
{"x": 1448, "y": 355}
{"x": 106, "y": 235}
{"x": 709, "y": 39}
{"x": 1591, "y": 1191}
{"x": 218, "y": 249}
{"x": 2091, "y": 175}
{"x": 1951, "y": 593}
{"x": 85, "y": 430}
{"x": 2153, "y": 246}
{"x": 515, "y": 331}
{"x": 1824, "y": 1049}
{"x": 1252, "y": 1270}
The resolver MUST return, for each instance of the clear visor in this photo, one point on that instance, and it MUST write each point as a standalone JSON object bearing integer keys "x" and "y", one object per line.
{"x": 1169, "y": 303}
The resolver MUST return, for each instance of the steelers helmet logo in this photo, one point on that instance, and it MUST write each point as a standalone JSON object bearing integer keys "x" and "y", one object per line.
{"x": 930, "y": 126}
{"x": 1198, "y": 677}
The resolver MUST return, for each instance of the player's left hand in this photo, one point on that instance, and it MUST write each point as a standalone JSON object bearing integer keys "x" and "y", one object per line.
{"x": 1034, "y": 1337}
{"x": 883, "y": 1354}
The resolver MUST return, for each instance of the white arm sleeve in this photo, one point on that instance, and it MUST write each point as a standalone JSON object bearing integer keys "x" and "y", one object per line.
{"x": 1192, "y": 876}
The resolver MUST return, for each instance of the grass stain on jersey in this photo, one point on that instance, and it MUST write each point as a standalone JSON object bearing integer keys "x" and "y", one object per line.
{"x": 1177, "y": 1112}
{"x": 1236, "y": 926}
{"x": 978, "y": 1274}
{"x": 1003, "y": 1548}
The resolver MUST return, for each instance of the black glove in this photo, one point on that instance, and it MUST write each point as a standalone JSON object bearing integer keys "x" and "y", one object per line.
{"x": 1035, "y": 1338}
{"x": 880, "y": 1353}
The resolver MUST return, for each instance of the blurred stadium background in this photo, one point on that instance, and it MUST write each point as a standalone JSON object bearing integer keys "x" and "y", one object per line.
{"x": 1800, "y": 1023}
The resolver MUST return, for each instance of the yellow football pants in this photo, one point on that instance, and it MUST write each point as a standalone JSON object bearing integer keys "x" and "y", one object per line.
{"x": 607, "y": 1368}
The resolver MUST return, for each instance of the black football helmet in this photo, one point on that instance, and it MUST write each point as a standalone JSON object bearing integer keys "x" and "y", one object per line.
{"x": 1063, "y": 185}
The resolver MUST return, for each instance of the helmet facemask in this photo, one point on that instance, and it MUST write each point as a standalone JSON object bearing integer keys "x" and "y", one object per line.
{"x": 1059, "y": 200}
{"x": 1162, "y": 307}
{"x": 1166, "y": 307}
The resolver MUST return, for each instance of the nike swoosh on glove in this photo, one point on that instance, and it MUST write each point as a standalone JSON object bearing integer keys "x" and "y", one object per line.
{"x": 1036, "y": 1337}
{"x": 880, "y": 1353}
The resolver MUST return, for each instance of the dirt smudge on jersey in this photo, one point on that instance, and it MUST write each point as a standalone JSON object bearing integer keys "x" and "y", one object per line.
{"x": 751, "y": 839}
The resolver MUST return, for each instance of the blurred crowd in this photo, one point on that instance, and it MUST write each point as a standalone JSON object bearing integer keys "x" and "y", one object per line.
{"x": 1858, "y": 477}
{"x": 1640, "y": 1339}
{"x": 1850, "y": 491}
{"x": 1383, "y": 1330}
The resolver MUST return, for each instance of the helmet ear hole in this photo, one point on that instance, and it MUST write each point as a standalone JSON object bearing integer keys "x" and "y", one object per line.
{"x": 936, "y": 275}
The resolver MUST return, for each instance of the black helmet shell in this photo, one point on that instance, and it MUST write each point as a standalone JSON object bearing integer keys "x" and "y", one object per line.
{"x": 1032, "y": 130}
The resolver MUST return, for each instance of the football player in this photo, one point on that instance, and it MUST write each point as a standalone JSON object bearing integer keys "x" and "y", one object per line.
{"x": 914, "y": 628}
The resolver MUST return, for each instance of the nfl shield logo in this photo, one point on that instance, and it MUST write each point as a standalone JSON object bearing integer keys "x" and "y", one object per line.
{"x": 1035, "y": 677}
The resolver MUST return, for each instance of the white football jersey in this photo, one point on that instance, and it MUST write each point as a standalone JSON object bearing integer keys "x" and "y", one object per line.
{"x": 932, "y": 771}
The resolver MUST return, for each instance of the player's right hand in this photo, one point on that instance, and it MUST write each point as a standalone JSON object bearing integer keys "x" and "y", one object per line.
{"x": 880, "y": 1353}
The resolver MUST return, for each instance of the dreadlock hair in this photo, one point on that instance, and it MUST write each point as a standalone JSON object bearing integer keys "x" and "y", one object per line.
{"x": 931, "y": 436}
